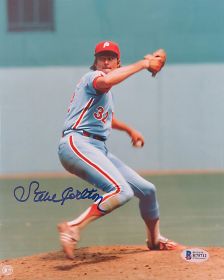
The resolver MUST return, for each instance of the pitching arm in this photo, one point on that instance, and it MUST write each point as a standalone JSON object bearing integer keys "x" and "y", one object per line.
{"x": 136, "y": 138}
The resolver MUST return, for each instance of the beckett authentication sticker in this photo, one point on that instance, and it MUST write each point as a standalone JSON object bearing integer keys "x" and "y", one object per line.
{"x": 195, "y": 255}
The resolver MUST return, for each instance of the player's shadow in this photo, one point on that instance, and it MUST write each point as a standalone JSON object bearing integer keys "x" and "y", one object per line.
{"x": 84, "y": 256}
{"x": 83, "y": 262}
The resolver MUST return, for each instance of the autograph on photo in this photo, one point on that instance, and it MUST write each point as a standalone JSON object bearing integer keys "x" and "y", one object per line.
{"x": 34, "y": 193}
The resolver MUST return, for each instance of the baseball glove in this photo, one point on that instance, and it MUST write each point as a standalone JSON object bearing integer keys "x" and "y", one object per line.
{"x": 161, "y": 54}
{"x": 157, "y": 61}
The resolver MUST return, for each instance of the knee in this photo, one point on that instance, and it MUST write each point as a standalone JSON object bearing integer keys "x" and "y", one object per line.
{"x": 149, "y": 190}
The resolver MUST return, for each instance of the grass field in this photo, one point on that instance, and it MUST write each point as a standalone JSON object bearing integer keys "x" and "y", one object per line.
{"x": 191, "y": 206}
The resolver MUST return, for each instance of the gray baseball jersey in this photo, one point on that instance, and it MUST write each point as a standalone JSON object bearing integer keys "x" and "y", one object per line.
{"x": 89, "y": 109}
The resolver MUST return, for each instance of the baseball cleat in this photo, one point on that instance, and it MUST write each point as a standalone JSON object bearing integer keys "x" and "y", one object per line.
{"x": 69, "y": 237}
{"x": 165, "y": 245}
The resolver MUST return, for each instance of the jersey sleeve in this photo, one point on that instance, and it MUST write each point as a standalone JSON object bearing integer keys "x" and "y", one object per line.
{"x": 92, "y": 81}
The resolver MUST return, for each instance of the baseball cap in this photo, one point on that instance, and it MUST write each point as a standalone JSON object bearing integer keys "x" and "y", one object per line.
{"x": 107, "y": 46}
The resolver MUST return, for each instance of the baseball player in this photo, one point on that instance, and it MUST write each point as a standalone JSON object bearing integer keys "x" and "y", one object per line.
{"x": 83, "y": 150}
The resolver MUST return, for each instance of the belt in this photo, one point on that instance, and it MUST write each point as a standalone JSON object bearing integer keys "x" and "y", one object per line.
{"x": 94, "y": 136}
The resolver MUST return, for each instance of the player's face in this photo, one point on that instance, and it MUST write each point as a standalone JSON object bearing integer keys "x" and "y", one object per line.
{"x": 106, "y": 62}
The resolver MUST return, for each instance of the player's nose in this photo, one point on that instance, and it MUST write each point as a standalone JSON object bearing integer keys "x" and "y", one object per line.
{"x": 106, "y": 61}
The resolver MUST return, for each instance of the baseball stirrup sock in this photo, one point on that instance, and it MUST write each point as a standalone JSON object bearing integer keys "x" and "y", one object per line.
{"x": 90, "y": 212}
{"x": 98, "y": 209}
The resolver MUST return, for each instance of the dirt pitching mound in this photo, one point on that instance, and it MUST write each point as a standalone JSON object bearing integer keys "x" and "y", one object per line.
{"x": 116, "y": 262}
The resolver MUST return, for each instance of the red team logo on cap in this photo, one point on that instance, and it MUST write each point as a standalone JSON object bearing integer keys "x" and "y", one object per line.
{"x": 106, "y": 44}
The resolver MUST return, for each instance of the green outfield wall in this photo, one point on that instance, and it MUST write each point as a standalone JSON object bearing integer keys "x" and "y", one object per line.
{"x": 191, "y": 32}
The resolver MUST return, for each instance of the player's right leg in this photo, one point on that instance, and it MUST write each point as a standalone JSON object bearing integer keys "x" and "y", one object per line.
{"x": 86, "y": 158}
{"x": 148, "y": 205}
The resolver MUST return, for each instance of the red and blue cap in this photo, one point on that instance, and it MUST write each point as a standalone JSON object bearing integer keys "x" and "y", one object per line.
{"x": 107, "y": 46}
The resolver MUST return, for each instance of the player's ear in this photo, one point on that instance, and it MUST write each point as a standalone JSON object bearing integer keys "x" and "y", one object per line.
{"x": 118, "y": 63}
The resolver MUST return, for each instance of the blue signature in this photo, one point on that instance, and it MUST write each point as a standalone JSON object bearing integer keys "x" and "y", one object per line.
{"x": 69, "y": 193}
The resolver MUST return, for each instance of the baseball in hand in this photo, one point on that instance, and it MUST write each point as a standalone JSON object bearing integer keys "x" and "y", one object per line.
{"x": 138, "y": 144}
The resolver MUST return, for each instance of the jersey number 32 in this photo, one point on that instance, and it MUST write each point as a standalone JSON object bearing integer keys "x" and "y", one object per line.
{"x": 100, "y": 115}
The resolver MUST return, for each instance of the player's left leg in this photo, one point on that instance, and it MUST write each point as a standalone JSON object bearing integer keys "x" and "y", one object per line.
{"x": 86, "y": 158}
{"x": 148, "y": 205}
